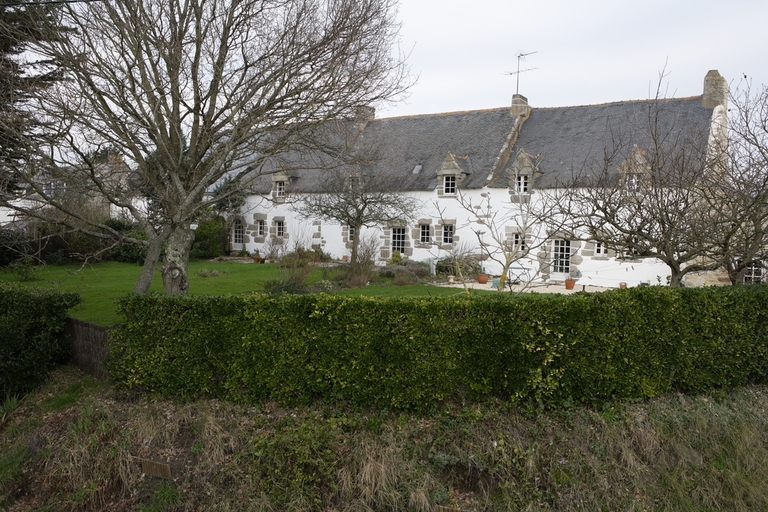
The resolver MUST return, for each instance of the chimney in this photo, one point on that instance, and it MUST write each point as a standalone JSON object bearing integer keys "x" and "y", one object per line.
{"x": 715, "y": 90}
{"x": 363, "y": 114}
{"x": 520, "y": 106}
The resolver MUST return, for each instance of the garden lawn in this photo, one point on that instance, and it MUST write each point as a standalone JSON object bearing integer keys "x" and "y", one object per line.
{"x": 100, "y": 284}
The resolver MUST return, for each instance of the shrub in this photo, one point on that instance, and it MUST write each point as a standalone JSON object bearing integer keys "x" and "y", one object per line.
{"x": 412, "y": 352}
{"x": 127, "y": 252}
{"x": 25, "y": 269}
{"x": 403, "y": 277}
{"x": 14, "y": 246}
{"x": 211, "y": 238}
{"x": 32, "y": 341}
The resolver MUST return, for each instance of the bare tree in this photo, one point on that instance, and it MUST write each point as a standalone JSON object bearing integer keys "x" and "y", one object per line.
{"x": 513, "y": 232}
{"x": 355, "y": 199}
{"x": 648, "y": 198}
{"x": 188, "y": 92}
{"x": 738, "y": 191}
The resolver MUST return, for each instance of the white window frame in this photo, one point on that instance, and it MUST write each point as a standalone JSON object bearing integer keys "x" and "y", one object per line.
{"x": 521, "y": 184}
{"x": 753, "y": 274}
{"x": 600, "y": 249}
{"x": 280, "y": 228}
{"x": 351, "y": 233}
{"x": 398, "y": 240}
{"x": 425, "y": 234}
{"x": 449, "y": 231}
{"x": 261, "y": 227}
{"x": 238, "y": 232}
{"x": 633, "y": 181}
{"x": 450, "y": 184}
{"x": 518, "y": 242}
{"x": 279, "y": 189}
{"x": 561, "y": 256}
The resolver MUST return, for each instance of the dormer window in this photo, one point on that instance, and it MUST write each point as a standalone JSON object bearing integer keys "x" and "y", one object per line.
{"x": 521, "y": 185}
{"x": 522, "y": 175}
{"x": 449, "y": 185}
{"x": 449, "y": 176}
{"x": 633, "y": 182}
{"x": 635, "y": 171}
{"x": 280, "y": 181}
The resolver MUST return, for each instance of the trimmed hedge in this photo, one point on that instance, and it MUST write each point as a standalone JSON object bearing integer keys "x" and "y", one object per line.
{"x": 31, "y": 335}
{"x": 413, "y": 352}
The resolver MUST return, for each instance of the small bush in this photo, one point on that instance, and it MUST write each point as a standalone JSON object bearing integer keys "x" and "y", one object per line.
{"x": 211, "y": 238}
{"x": 127, "y": 252}
{"x": 25, "y": 269}
{"x": 404, "y": 277}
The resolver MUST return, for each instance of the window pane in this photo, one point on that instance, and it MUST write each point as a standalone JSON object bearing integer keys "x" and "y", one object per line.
{"x": 424, "y": 237}
{"x": 237, "y": 232}
{"x": 448, "y": 233}
{"x": 450, "y": 184}
{"x": 561, "y": 261}
{"x": 398, "y": 240}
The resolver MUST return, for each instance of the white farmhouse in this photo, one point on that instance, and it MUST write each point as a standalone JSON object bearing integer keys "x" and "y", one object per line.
{"x": 483, "y": 178}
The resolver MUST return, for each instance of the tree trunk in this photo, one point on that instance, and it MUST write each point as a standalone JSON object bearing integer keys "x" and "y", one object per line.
{"x": 176, "y": 262}
{"x": 676, "y": 278}
{"x": 354, "y": 265}
{"x": 150, "y": 264}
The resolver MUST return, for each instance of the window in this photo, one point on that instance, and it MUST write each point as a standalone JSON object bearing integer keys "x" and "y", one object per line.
{"x": 448, "y": 230}
{"x": 279, "y": 189}
{"x": 280, "y": 228}
{"x": 561, "y": 259}
{"x": 237, "y": 232}
{"x": 261, "y": 228}
{"x": 351, "y": 233}
{"x": 521, "y": 185}
{"x": 632, "y": 182}
{"x": 449, "y": 184}
{"x": 424, "y": 234}
{"x": 753, "y": 273}
{"x": 518, "y": 242}
{"x": 398, "y": 240}
{"x": 600, "y": 249}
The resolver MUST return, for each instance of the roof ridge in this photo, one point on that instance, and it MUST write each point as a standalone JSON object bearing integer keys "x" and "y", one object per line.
{"x": 494, "y": 109}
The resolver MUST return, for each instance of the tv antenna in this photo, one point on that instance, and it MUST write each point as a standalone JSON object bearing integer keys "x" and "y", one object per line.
{"x": 517, "y": 73}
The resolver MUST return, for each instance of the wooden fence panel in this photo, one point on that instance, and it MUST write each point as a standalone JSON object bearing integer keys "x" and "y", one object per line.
{"x": 89, "y": 346}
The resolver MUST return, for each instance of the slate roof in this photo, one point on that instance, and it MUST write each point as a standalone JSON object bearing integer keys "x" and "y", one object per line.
{"x": 572, "y": 140}
{"x": 406, "y": 152}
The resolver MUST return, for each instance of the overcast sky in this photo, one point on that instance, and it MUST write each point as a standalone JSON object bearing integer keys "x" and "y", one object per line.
{"x": 587, "y": 51}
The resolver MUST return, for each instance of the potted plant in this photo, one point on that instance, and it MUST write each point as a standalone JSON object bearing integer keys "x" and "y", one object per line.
{"x": 570, "y": 281}
{"x": 482, "y": 278}
{"x": 257, "y": 257}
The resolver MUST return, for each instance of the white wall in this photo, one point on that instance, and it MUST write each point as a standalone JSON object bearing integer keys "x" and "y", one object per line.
{"x": 596, "y": 270}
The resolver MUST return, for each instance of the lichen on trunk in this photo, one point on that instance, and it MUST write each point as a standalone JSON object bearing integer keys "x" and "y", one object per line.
{"x": 176, "y": 261}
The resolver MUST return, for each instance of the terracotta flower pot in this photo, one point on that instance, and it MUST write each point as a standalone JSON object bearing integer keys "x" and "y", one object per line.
{"x": 482, "y": 278}
{"x": 569, "y": 284}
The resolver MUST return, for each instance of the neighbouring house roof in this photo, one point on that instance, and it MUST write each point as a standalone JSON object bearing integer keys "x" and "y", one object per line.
{"x": 406, "y": 152}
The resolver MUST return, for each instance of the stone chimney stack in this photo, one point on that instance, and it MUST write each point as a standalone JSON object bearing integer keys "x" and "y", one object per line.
{"x": 715, "y": 90}
{"x": 363, "y": 114}
{"x": 520, "y": 106}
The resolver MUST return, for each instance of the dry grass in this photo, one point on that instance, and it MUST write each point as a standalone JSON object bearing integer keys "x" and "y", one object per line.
{"x": 76, "y": 445}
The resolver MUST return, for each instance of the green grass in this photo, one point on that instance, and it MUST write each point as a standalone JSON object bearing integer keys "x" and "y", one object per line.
{"x": 101, "y": 284}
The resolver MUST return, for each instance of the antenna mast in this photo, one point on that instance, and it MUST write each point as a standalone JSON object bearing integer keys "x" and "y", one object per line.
{"x": 517, "y": 73}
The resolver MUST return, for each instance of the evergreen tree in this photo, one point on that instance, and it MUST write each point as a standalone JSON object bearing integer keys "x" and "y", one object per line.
{"x": 21, "y": 74}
